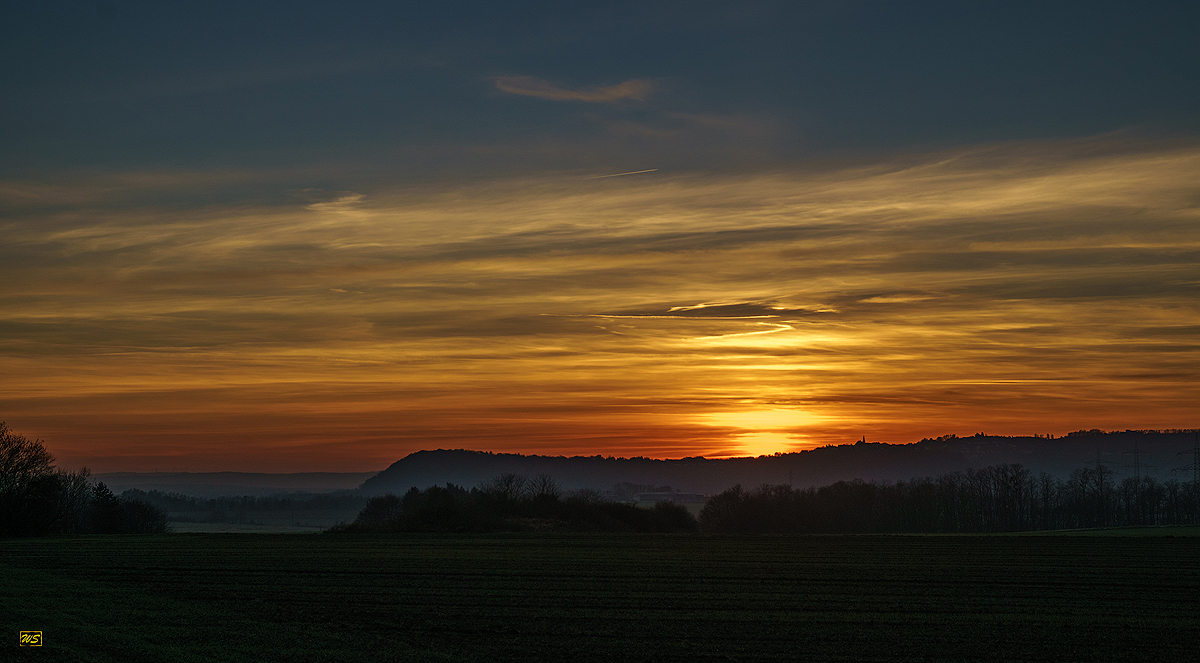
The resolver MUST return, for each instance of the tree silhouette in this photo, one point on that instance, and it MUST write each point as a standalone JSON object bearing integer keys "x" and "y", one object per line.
{"x": 22, "y": 460}
{"x": 106, "y": 510}
{"x": 36, "y": 499}
{"x": 26, "y": 484}
{"x": 510, "y": 503}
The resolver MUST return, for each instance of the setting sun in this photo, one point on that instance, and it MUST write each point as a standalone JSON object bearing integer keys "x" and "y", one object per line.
{"x": 766, "y": 431}
{"x": 763, "y": 444}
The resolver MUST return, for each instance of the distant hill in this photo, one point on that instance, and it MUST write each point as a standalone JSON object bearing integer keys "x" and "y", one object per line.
{"x": 1157, "y": 452}
{"x": 230, "y": 484}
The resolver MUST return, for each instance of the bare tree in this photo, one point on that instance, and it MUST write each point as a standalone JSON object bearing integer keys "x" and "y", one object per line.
{"x": 543, "y": 486}
{"x": 36, "y": 499}
{"x": 586, "y": 496}
{"x": 506, "y": 488}
{"x": 22, "y": 461}
{"x": 74, "y": 502}
{"x": 26, "y": 485}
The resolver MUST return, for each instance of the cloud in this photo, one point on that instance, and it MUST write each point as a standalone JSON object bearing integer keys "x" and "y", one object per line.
{"x": 915, "y": 297}
{"x": 897, "y": 298}
{"x": 342, "y": 204}
{"x": 717, "y": 311}
{"x": 636, "y": 89}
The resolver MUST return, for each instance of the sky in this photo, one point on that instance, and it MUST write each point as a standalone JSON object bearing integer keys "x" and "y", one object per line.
{"x": 284, "y": 237}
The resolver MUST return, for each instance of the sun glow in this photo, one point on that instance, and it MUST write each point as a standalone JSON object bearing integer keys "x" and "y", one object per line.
{"x": 764, "y": 444}
{"x": 767, "y": 430}
{"x": 762, "y": 419}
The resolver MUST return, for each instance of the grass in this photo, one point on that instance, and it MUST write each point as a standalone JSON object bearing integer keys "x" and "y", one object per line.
{"x": 267, "y": 597}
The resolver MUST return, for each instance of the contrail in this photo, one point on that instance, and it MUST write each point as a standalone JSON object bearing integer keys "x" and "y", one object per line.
{"x": 596, "y": 177}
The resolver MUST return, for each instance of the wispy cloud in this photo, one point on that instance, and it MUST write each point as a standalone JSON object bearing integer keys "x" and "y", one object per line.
{"x": 637, "y": 89}
{"x": 632, "y": 172}
{"x": 1017, "y": 288}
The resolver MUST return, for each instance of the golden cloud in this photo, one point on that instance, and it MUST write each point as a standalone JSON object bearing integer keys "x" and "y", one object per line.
{"x": 1016, "y": 289}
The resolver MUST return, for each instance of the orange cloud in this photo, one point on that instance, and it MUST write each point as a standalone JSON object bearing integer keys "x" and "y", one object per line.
{"x": 636, "y": 89}
{"x": 1016, "y": 289}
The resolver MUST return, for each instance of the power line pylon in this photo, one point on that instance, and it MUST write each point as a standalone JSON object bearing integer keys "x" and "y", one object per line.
{"x": 1137, "y": 461}
{"x": 1195, "y": 466}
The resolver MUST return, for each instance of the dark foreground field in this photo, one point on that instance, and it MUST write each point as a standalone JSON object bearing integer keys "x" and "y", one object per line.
{"x": 207, "y": 597}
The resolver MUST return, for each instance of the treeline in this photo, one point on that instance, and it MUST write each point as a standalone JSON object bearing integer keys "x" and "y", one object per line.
{"x": 36, "y": 499}
{"x": 1003, "y": 498}
{"x": 177, "y": 502}
{"x": 514, "y": 503}
{"x": 1089, "y": 433}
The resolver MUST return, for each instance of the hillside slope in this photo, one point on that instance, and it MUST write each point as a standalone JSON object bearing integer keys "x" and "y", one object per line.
{"x": 1157, "y": 452}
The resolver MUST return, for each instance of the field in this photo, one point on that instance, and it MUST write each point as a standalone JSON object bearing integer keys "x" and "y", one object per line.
{"x": 311, "y": 597}
{"x": 261, "y": 520}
